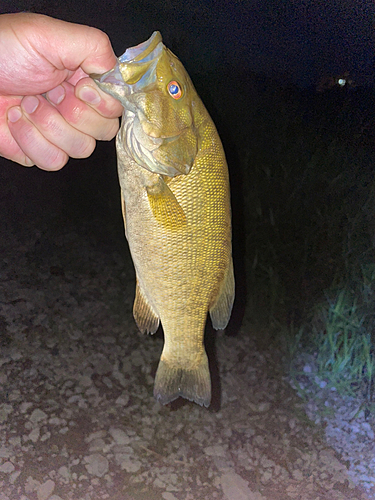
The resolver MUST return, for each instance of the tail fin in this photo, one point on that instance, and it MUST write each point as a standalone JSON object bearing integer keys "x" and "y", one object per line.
{"x": 172, "y": 381}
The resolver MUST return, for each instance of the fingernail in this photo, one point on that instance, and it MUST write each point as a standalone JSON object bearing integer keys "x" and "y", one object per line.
{"x": 30, "y": 103}
{"x": 14, "y": 114}
{"x": 56, "y": 95}
{"x": 89, "y": 95}
{"x": 28, "y": 162}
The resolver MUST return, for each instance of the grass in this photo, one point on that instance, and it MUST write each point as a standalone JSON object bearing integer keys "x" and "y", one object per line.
{"x": 339, "y": 340}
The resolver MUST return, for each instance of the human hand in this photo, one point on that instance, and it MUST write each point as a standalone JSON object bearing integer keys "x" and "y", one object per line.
{"x": 49, "y": 108}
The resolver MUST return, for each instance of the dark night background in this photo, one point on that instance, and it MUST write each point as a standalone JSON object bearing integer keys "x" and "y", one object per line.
{"x": 299, "y": 161}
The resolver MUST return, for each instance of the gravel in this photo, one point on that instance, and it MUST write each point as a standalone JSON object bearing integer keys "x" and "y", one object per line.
{"x": 77, "y": 416}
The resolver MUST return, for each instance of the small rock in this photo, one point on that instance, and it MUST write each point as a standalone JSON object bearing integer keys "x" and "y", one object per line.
{"x": 45, "y": 436}
{"x": 15, "y": 395}
{"x": 158, "y": 483}
{"x": 266, "y": 462}
{"x": 76, "y": 335}
{"x": 119, "y": 436}
{"x": 168, "y": 496}
{"x": 5, "y": 411}
{"x": 95, "y": 435}
{"x": 37, "y": 415}
{"x": 15, "y": 355}
{"x": 129, "y": 464}
{"x": 297, "y": 474}
{"x": 5, "y": 452}
{"x": 14, "y": 476}
{"x": 97, "y": 465}
{"x": 64, "y": 472}
{"x": 45, "y": 490}
{"x": 236, "y": 488}
{"x": 122, "y": 400}
{"x": 55, "y": 421}
{"x": 200, "y": 436}
{"x": 97, "y": 445}
{"x": 260, "y": 407}
{"x": 15, "y": 441}
{"x": 25, "y": 406}
{"x": 108, "y": 382}
{"x": 34, "y": 435}
{"x": 120, "y": 378}
{"x": 214, "y": 451}
{"x": 85, "y": 381}
{"x": 7, "y": 468}
{"x": 31, "y": 484}
{"x": 368, "y": 430}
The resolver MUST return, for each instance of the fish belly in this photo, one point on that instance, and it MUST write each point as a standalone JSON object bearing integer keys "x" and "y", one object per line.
{"x": 181, "y": 249}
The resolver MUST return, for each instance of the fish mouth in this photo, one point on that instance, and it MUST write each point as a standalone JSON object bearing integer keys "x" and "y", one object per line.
{"x": 144, "y": 49}
{"x": 134, "y": 70}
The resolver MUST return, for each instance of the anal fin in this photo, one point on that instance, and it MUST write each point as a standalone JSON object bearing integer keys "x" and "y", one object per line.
{"x": 145, "y": 317}
{"x": 221, "y": 310}
{"x": 172, "y": 381}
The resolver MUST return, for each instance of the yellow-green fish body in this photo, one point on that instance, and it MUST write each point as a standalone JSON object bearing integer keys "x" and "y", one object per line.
{"x": 176, "y": 206}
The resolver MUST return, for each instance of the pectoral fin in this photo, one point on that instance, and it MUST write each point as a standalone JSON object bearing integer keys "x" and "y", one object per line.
{"x": 144, "y": 315}
{"x": 222, "y": 308}
{"x": 164, "y": 205}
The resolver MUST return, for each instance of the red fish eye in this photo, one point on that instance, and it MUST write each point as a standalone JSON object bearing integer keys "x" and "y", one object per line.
{"x": 174, "y": 89}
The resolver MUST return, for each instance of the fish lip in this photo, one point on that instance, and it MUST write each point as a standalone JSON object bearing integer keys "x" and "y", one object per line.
{"x": 144, "y": 56}
{"x": 113, "y": 76}
{"x": 144, "y": 49}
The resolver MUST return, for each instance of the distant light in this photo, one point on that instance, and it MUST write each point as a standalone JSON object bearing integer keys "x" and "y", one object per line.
{"x": 341, "y": 82}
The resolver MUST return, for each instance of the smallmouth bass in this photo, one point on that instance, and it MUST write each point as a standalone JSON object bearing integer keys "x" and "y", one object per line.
{"x": 176, "y": 208}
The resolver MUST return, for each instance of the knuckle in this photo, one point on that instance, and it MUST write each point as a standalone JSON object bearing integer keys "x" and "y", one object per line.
{"x": 55, "y": 159}
{"x": 84, "y": 148}
{"x": 109, "y": 132}
{"x": 25, "y": 134}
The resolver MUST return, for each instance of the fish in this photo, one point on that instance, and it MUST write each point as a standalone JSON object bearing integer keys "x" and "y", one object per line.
{"x": 175, "y": 199}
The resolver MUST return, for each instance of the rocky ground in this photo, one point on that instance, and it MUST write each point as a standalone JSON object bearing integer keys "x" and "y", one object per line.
{"x": 77, "y": 417}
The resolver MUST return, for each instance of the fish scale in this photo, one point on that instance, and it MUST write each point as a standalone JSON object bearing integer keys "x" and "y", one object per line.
{"x": 178, "y": 226}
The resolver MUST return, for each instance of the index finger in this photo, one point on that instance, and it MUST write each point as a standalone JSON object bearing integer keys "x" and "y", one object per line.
{"x": 108, "y": 106}
{"x": 97, "y": 120}
{"x": 8, "y": 146}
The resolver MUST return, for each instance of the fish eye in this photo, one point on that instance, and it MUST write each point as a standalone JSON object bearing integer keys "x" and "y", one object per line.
{"x": 174, "y": 89}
